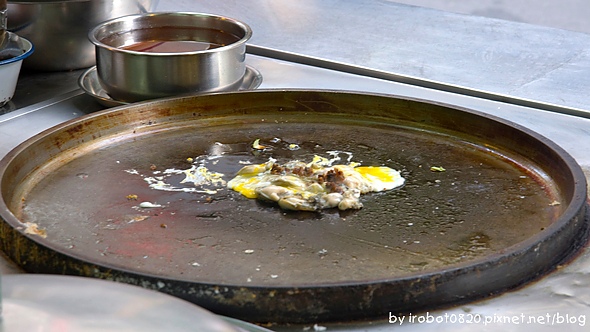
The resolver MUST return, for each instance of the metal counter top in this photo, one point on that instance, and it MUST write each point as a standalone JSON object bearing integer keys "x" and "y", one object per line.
{"x": 529, "y": 75}
{"x": 520, "y": 63}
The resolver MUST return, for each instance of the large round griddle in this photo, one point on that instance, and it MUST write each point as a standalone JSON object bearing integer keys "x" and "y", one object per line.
{"x": 507, "y": 208}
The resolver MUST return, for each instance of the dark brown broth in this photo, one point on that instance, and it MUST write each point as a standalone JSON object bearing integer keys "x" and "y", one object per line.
{"x": 175, "y": 46}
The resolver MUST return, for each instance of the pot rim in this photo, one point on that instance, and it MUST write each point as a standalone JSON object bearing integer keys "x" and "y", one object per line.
{"x": 94, "y": 31}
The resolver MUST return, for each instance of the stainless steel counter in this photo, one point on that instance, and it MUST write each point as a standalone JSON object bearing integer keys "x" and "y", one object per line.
{"x": 529, "y": 75}
{"x": 496, "y": 59}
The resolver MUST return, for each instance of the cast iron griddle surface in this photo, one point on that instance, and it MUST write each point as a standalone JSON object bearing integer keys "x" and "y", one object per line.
{"x": 482, "y": 203}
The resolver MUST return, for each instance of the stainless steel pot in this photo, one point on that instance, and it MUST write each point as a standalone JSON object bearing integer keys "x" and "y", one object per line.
{"x": 135, "y": 61}
{"x": 59, "y": 29}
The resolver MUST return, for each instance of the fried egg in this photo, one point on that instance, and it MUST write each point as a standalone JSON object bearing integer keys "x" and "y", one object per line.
{"x": 315, "y": 185}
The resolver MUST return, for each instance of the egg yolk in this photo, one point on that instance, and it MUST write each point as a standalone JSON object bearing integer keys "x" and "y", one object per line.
{"x": 381, "y": 178}
{"x": 313, "y": 186}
